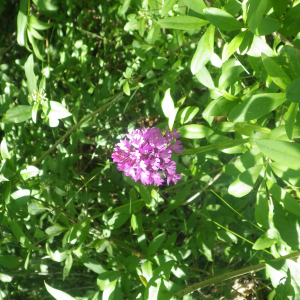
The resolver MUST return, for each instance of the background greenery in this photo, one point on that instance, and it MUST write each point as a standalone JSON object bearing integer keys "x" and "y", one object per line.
{"x": 76, "y": 76}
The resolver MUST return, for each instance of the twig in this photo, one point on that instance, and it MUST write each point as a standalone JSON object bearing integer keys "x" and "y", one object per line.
{"x": 230, "y": 275}
{"x": 286, "y": 41}
{"x": 182, "y": 46}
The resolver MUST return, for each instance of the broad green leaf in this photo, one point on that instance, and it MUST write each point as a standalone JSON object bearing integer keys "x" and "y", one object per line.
{"x": 262, "y": 205}
{"x": 187, "y": 114}
{"x": 5, "y": 278}
{"x": 221, "y": 107}
{"x": 54, "y": 230}
{"x": 55, "y": 110}
{"x": 46, "y": 5}
{"x": 167, "y": 7}
{"x": 29, "y": 72}
{"x": 194, "y": 131}
{"x": 293, "y": 90}
{"x": 249, "y": 159}
{"x": 221, "y": 19}
{"x": 233, "y": 45}
{"x": 205, "y": 78}
{"x": 290, "y": 118}
{"x": 289, "y": 175}
{"x": 30, "y": 171}
{"x": 9, "y": 261}
{"x": 20, "y": 236}
{"x": 136, "y": 223}
{"x": 37, "y": 24}
{"x": 264, "y": 242}
{"x": 267, "y": 26}
{"x": 256, "y": 107}
{"x": 17, "y": 114}
{"x": 230, "y": 73}
{"x": 226, "y": 144}
{"x": 257, "y": 9}
{"x": 232, "y": 7}
{"x": 259, "y": 46}
{"x": 22, "y": 23}
{"x": 279, "y": 133}
{"x": 182, "y": 22}
{"x": 35, "y": 208}
{"x": 290, "y": 61}
{"x": 196, "y": 5}
{"x": 57, "y": 294}
{"x": 284, "y": 198}
{"x": 275, "y": 72}
{"x": 147, "y": 270}
{"x": 245, "y": 182}
{"x": 209, "y": 38}
{"x": 201, "y": 56}
{"x": 93, "y": 265}
{"x": 285, "y": 153}
{"x": 279, "y": 7}
{"x": 156, "y": 243}
{"x": 247, "y": 42}
{"x": 172, "y": 118}
{"x": 117, "y": 220}
{"x": 167, "y": 104}
{"x": 4, "y": 150}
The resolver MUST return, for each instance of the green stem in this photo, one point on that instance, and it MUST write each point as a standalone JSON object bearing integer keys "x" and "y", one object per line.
{"x": 230, "y": 275}
{"x": 219, "y": 146}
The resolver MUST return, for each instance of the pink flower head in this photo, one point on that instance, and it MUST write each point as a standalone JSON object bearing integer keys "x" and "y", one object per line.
{"x": 146, "y": 152}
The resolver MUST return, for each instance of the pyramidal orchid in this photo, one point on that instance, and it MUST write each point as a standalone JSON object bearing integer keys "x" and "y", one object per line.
{"x": 147, "y": 151}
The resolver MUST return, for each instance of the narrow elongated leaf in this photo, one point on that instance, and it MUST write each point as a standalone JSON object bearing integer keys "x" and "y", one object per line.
{"x": 196, "y": 5}
{"x": 293, "y": 91}
{"x": 35, "y": 33}
{"x": 29, "y": 72}
{"x": 209, "y": 38}
{"x": 245, "y": 182}
{"x": 68, "y": 266}
{"x": 34, "y": 46}
{"x": 17, "y": 114}
{"x": 267, "y": 26}
{"x": 188, "y": 113}
{"x": 233, "y": 45}
{"x": 4, "y": 150}
{"x": 29, "y": 172}
{"x": 257, "y": 9}
{"x": 221, "y": 19}
{"x": 37, "y": 24}
{"x": 285, "y": 173}
{"x": 57, "y": 294}
{"x": 256, "y": 107}
{"x": 156, "y": 243}
{"x": 205, "y": 78}
{"x": 262, "y": 206}
{"x": 194, "y": 131}
{"x": 167, "y": 7}
{"x": 182, "y": 22}
{"x": 201, "y": 56}
{"x": 22, "y": 23}
{"x": 284, "y": 198}
{"x": 290, "y": 118}
{"x": 275, "y": 72}
{"x": 279, "y": 7}
{"x": 167, "y": 104}
{"x": 286, "y": 153}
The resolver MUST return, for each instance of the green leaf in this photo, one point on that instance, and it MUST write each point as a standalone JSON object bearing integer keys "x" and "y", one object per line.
{"x": 201, "y": 56}
{"x": 257, "y": 9}
{"x": 264, "y": 242}
{"x": 34, "y": 111}
{"x": 293, "y": 90}
{"x": 290, "y": 118}
{"x": 45, "y": 5}
{"x": 9, "y": 261}
{"x": 205, "y": 78}
{"x": 179, "y": 198}
{"x": 194, "y": 131}
{"x": 167, "y": 7}
{"x": 262, "y": 206}
{"x": 29, "y": 72}
{"x": 68, "y": 266}
{"x": 17, "y": 114}
{"x": 275, "y": 72}
{"x": 230, "y": 72}
{"x": 209, "y": 38}
{"x": 34, "y": 46}
{"x": 156, "y": 243}
{"x": 22, "y": 23}
{"x": 37, "y": 24}
{"x": 167, "y": 104}
{"x": 4, "y": 151}
{"x": 267, "y": 26}
{"x": 279, "y": 7}
{"x": 289, "y": 175}
{"x": 187, "y": 114}
{"x": 286, "y": 153}
{"x": 126, "y": 88}
{"x": 221, "y": 19}
{"x": 36, "y": 34}
{"x": 57, "y": 294}
{"x": 182, "y": 22}
{"x": 249, "y": 159}
{"x": 256, "y": 107}
{"x": 259, "y": 46}
{"x": 30, "y": 171}
{"x": 55, "y": 110}
{"x": 196, "y": 5}
{"x": 35, "y": 208}
{"x": 5, "y": 278}
{"x": 233, "y": 45}
{"x": 245, "y": 182}
{"x": 284, "y": 198}
{"x": 221, "y": 107}
{"x": 93, "y": 265}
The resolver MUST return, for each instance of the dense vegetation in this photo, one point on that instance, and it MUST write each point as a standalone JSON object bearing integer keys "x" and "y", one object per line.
{"x": 77, "y": 76}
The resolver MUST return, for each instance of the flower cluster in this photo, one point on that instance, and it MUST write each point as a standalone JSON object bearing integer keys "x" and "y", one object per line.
{"x": 147, "y": 151}
{"x": 38, "y": 96}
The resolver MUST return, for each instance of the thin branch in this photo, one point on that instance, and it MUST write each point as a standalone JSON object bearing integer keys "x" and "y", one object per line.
{"x": 230, "y": 275}
{"x": 286, "y": 41}
{"x": 182, "y": 46}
